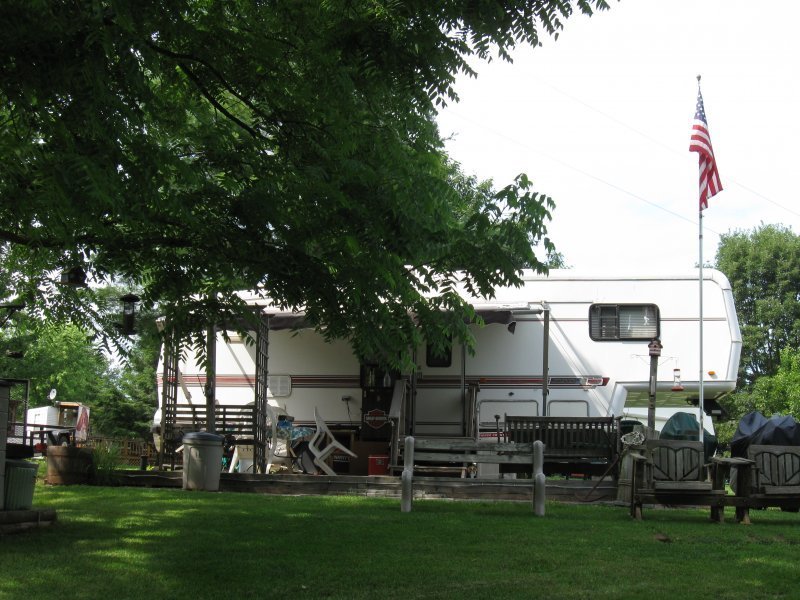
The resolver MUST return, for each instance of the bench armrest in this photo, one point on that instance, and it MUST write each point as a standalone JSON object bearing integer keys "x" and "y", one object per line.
{"x": 732, "y": 461}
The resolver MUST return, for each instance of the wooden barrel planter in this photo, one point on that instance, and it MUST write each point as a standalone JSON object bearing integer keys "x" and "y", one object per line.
{"x": 68, "y": 465}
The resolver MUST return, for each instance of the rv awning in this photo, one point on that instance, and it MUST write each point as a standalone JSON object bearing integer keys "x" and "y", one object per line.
{"x": 287, "y": 320}
{"x": 502, "y": 314}
{"x": 503, "y": 317}
{"x": 505, "y": 314}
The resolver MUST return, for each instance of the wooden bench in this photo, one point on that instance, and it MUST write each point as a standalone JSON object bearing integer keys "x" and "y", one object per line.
{"x": 465, "y": 451}
{"x": 673, "y": 472}
{"x": 770, "y": 476}
{"x": 587, "y": 445}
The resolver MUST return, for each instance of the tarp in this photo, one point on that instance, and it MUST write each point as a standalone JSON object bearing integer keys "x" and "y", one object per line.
{"x": 755, "y": 428}
{"x": 684, "y": 426}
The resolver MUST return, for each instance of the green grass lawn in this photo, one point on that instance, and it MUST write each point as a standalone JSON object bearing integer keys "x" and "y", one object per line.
{"x": 151, "y": 543}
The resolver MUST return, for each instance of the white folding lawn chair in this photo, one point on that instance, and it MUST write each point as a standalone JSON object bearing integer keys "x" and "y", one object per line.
{"x": 323, "y": 444}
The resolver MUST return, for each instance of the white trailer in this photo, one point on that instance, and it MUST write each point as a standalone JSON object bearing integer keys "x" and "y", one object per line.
{"x": 58, "y": 424}
{"x": 595, "y": 360}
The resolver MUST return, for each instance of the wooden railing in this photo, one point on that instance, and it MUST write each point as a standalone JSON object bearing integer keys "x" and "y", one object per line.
{"x": 587, "y": 445}
{"x": 229, "y": 419}
{"x": 130, "y": 451}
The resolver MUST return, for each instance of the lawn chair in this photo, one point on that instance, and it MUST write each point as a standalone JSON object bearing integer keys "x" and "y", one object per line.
{"x": 673, "y": 472}
{"x": 243, "y": 459}
{"x": 323, "y": 444}
{"x": 770, "y": 476}
{"x": 279, "y": 446}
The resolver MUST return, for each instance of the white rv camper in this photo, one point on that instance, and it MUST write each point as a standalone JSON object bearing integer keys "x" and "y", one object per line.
{"x": 561, "y": 345}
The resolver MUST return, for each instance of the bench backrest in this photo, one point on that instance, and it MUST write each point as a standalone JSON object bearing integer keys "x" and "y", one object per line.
{"x": 469, "y": 451}
{"x": 777, "y": 466}
{"x": 676, "y": 460}
{"x": 578, "y": 437}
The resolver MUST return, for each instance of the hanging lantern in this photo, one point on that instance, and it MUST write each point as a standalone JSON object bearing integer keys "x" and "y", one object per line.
{"x": 74, "y": 277}
{"x": 129, "y": 313}
{"x": 676, "y": 381}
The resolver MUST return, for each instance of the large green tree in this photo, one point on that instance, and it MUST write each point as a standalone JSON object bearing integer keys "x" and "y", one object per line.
{"x": 778, "y": 393}
{"x": 55, "y": 356}
{"x": 199, "y": 147}
{"x": 63, "y": 357}
{"x": 763, "y": 266}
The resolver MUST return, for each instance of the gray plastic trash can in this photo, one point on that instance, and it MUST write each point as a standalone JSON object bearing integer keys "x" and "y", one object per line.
{"x": 202, "y": 461}
{"x": 20, "y": 483}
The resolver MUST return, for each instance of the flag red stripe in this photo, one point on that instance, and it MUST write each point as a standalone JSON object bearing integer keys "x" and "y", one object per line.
{"x": 700, "y": 142}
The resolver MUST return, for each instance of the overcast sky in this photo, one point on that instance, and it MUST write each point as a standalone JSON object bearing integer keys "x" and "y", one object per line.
{"x": 600, "y": 121}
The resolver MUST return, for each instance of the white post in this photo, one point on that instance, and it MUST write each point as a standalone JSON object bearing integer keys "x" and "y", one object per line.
{"x": 539, "y": 480}
{"x": 407, "y": 490}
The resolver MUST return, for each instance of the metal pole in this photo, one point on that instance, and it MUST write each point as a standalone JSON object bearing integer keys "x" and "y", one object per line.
{"x": 5, "y": 401}
{"x": 464, "y": 411}
{"x": 411, "y": 425}
{"x": 545, "y": 361}
{"x": 654, "y": 349}
{"x": 211, "y": 379}
{"x": 702, "y": 400}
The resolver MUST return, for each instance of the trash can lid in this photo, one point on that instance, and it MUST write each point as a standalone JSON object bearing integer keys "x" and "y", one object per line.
{"x": 202, "y": 438}
{"x": 24, "y": 464}
{"x": 15, "y": 450}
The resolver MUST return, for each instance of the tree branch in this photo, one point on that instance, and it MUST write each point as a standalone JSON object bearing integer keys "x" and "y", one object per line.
{"x": 183, "y": 58}
{"x": 210, "y": 97}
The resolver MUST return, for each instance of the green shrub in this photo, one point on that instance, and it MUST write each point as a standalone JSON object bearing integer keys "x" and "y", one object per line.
{"x": 106, "y": 461}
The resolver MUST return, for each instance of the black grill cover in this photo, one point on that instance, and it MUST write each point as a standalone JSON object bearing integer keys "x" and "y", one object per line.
{"x": 684, "y": 426}
{"x": 755, "y": 428}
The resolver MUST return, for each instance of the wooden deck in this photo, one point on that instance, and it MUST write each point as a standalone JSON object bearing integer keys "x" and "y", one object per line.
{"x": 562, "y": 490}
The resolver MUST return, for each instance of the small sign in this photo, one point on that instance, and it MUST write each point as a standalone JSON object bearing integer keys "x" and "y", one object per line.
{"x": 376, "y": 418}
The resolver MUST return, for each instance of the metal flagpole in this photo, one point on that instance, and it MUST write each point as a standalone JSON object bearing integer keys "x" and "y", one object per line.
{"x": 701, "y": 402}
{"x": 709, "y": 186}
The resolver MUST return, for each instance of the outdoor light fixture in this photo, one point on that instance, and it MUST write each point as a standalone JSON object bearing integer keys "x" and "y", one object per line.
{"x": 74, "y": 277}
{"x": 676, "y": 381}
{"x": 9, "y": 308}
{"x": 128, "y": 313}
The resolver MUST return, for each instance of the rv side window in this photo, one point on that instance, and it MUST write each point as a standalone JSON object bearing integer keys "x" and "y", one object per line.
{"x": 608, "y": 322}
{"x": 440, "y": 359}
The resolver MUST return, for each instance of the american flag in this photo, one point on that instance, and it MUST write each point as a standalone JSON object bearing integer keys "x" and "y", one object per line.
{"x": 701, "y": 143}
